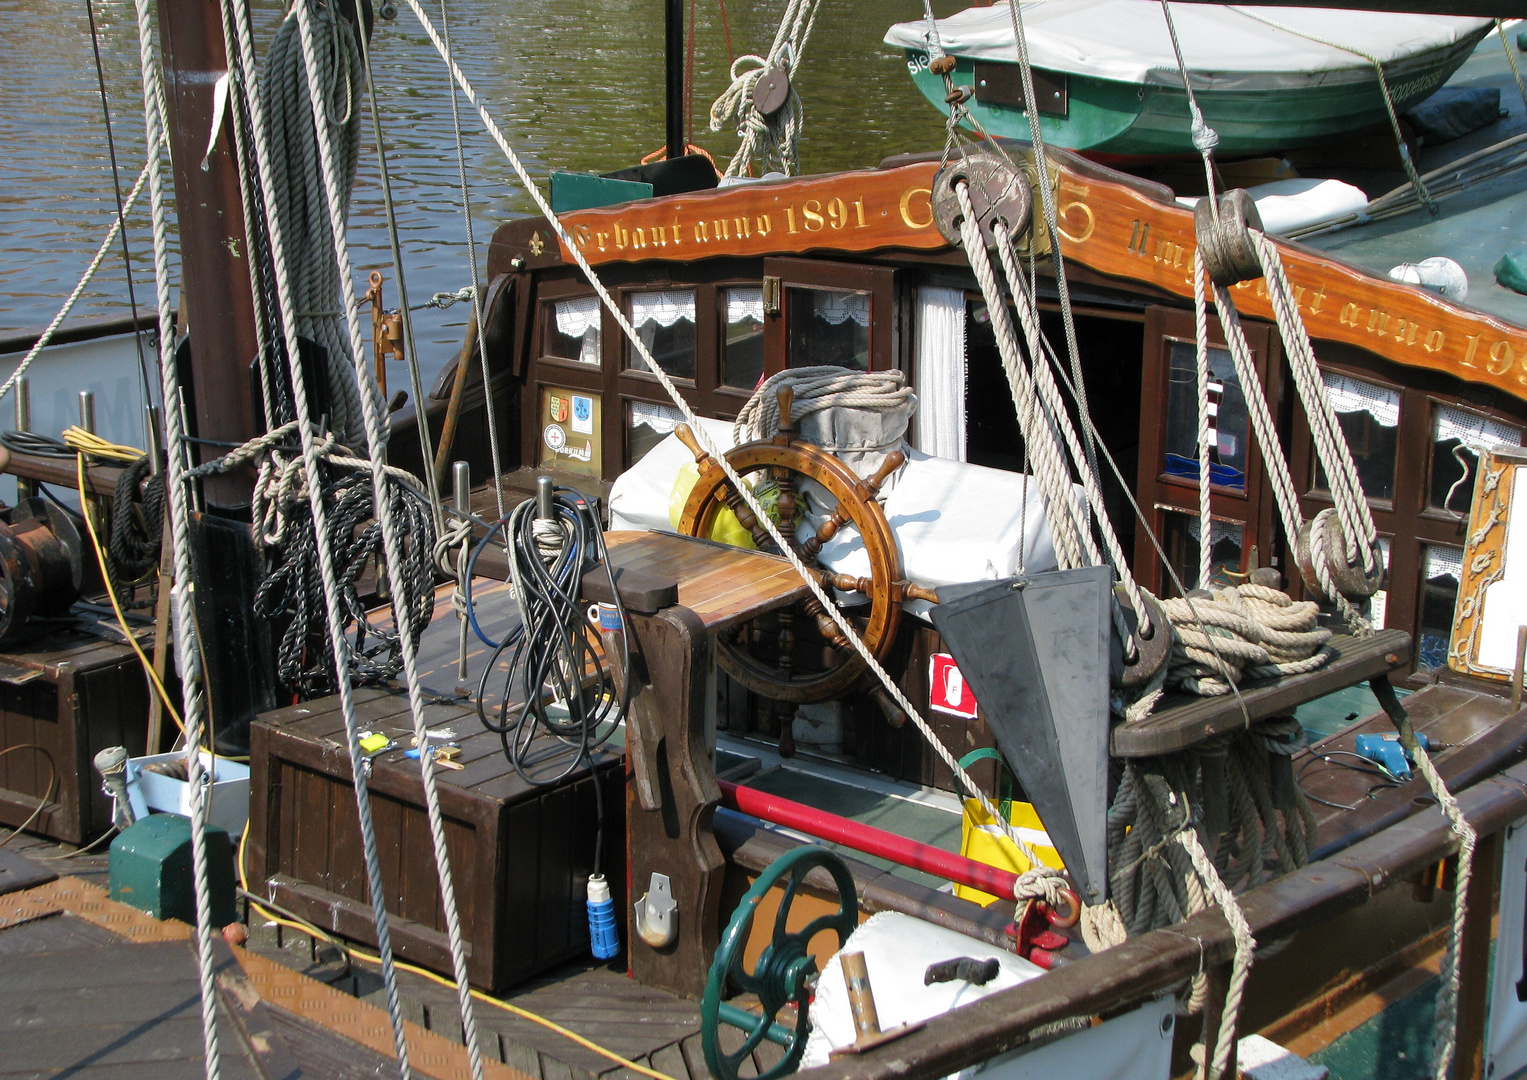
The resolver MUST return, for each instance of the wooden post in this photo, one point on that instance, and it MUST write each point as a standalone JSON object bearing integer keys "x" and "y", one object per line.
{"x": 672, "y": 795}
{"x": 1474, "y": 959}
{"x": 217, "y": 304}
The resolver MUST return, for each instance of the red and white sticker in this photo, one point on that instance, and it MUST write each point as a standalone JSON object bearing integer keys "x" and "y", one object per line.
{"x": 947, "y": 689}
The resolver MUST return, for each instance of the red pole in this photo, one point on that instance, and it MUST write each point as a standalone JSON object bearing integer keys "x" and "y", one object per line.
{"x": 868, "y": 839}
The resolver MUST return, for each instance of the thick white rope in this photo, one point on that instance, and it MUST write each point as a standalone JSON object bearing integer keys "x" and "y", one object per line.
{"x": 275, "y": 216}
{"x": 187, "y": 649}
{"x": 1054, "y": 405}
{"x": 741, "y": 487}
{"x": 1205, "y": 477}
{"x": 63, "y": 312}
{"x": 1039, "y": 436}
{"x": 373, "y": 410}
{"x": 1240, "y": 964}
{"x": 815, "y": 389}
{"x": 772, "y": 139}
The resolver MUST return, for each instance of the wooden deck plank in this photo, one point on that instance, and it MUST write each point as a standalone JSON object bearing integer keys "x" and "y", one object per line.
{"x": 1181, "y": 720}
{"x": 722, "y": 585}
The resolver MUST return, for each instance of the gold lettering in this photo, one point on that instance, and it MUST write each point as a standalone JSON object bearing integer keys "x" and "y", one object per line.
{"x": 1468, "y": 354}
{"x": 723, "y": 229}
{"x": 859, "y": 210}
{"x": 1298, "y": 295}
{"x": 638, "y": 239}
{"x": 600, "y": 237}
{"x": 1349, "y": 314}
{"x": 1319, "y": 299}
{"x": 837, "y": 213}
{"x": 763, "y": 224}
{"x": 790, "y": 218}
{"x": 1378, "y": 322}
{"x": 1084, "y": 230}
{"x": 811, "y": 211}
{"x": 675, "y": 230}
{"x": 907, "y": 198}
{"x": 1139, "y": 235}
{"x": 622, "y": 238}
{"x": 743, "y": 226}
{"x": 581, "y": 235}
{"x": 1434, "y": 341}
{"x": 1503, "y": 355}
{"x": 702, "y": 233}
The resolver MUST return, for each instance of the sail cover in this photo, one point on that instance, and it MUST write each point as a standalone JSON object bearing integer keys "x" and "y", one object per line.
{"x": 1225, "y": 48}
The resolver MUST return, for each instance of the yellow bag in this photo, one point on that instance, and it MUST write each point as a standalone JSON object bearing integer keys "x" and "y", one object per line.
{"x": 726, "y": 528}
{"x": 982, "y": 838}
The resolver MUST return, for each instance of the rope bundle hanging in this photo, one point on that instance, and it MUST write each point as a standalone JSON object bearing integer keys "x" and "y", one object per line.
{"x": 297, "y": 189}
{"x": 1258, "y": 631}
{"x": 774, "y": 136}
{"x": 137, "y": 527}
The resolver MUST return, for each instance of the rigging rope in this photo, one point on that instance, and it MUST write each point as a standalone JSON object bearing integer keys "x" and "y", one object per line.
{"x": 187, "y": 648}
{"x": 335, "y": 171}
{"x": 276, "y": 212}
{"x": 772, "y": 139}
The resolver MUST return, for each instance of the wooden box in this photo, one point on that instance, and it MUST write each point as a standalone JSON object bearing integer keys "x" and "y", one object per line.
{"x": 520, "y": 854}
{"x": 64, "y": 697}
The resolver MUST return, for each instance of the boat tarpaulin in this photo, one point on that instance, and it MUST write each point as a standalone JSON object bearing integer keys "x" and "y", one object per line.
{"x": 1224, "y": 47}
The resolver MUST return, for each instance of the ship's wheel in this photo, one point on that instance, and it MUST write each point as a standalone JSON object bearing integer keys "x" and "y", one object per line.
{"x": 786, "y": 461}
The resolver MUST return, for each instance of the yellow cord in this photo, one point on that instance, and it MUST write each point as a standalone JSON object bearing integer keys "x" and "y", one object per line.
{"x": 100, "y": 555}
{"x": 88, "y": 442}
{"x": 360, "y": 954}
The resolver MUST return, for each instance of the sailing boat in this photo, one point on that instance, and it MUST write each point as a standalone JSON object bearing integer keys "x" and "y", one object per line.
{"x": 720, "y": 285}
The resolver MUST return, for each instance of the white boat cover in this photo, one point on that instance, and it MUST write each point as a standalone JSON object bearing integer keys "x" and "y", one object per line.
{"x": 1224, "y": 47}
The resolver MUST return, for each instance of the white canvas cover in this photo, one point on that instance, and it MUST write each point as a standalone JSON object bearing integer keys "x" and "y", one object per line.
{"x": 1226, "y": 48}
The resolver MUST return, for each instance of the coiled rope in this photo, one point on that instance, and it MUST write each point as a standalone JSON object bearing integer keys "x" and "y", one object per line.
{"x": 1258, "y": 631}
{"x": 817, "y": 389}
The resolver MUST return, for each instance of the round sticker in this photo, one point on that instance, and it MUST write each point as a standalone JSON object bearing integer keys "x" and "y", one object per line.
{"x": 555, "y": 437}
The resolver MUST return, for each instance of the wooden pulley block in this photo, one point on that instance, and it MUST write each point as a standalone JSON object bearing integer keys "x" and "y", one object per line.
{"x": 773, "y": 671}
{"x": 999, "y": 195}
{"x": 1223, "y": 240}
{"x": 1151, "y": 652}
{"x": 772, "y": 90}
{"x": 1353, "y": 581}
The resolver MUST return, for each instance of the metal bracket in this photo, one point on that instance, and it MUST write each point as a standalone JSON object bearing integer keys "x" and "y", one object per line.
{"x": 657, "y": 915}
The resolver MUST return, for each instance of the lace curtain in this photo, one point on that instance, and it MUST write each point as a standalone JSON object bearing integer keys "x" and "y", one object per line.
{"x": 1477, "y": 432}
{"x": 838, "y": 307}
{"x": 1356, "y": 395}
{"x": 665, "y": 308}
{"x": 744, "y": 305}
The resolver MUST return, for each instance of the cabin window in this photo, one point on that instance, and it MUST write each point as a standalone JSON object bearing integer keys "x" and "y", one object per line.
{"x": 742, "y": 351}
{"x": 665, "y": 322}
{"x": 572, "y": 329}
{"x": 1369, "y": 415}
{"x": 1228, "y": 423}
{"x": 1441, "y": 567}
{"x": 647, "y": 424}
{"x": 1458, "y": 438}
{"x": 828, "y": 327}
{"x": 1227, "y": 548}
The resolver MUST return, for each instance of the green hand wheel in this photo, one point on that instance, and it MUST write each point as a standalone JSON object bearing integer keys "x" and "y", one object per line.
{"x": 784, "y": 972}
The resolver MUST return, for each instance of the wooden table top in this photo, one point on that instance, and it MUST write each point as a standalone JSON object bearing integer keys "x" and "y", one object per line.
{"x": 723, "y": 585}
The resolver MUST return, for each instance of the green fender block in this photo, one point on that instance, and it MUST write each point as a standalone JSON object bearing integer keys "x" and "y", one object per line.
{"x": 150, "y": 869}
{"x": 1511, "y": 271}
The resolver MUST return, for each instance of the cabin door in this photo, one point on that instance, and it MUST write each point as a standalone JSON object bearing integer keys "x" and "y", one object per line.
{"x": 827, "y": 313}
{"x": 1168, "y": 473}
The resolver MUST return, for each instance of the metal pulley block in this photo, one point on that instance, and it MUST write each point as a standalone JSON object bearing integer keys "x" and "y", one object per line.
{"x": 999, "y": 195}
{"x": 42, "y": 566}
{"x": 1353, "y": 581}
{"x": 1227, "y": 251}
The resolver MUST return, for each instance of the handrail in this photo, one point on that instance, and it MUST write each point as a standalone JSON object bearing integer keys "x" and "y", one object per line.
{"x": 868, "y": 839}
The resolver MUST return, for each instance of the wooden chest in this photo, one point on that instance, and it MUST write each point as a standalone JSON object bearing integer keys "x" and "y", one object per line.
{"x": 520, "y": 854}
{"x": 63, "y": 698}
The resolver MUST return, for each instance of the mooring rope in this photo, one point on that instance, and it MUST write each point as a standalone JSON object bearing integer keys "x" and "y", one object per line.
{"x": 773, "y": 139}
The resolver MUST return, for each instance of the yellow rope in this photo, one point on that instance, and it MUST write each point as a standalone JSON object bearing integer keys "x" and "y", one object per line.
{"x": 100, "y": 556}
{"x": 360, "y": 954}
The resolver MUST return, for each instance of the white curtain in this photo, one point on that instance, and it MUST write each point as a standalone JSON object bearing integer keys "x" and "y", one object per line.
{"x": 575, "y": 319}
{"x": 1478, "y": 433}
{"x": 663, "y": 308}
{"x": 839, "y": 307}
{"x": 1355, "y": 395}
{"x": 940, "y": 364}
{"x": 744, "y": 305}
{"x": 1443, "y": 562}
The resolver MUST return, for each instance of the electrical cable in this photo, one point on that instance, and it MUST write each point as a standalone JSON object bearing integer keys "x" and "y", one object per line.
{"x": 296, "y": 922}
{"x": 551, "y": 663}
{"x": 33, "y": 444}
{"x": 47, "y": 796}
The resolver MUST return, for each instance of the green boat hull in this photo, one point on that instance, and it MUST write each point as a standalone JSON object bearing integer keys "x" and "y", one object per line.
{"x": 1133, "y": 120}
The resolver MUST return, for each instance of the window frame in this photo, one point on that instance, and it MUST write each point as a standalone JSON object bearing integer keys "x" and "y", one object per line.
{"x": 881, "y": 282}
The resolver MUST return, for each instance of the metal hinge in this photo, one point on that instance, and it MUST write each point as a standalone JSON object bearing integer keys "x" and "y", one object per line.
{"x": 771, "y": 295}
